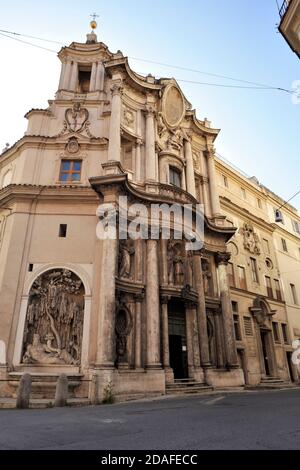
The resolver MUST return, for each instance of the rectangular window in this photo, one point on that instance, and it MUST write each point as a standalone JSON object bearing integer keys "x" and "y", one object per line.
{"x": 284, "y": 245}
{"x": 254, "y": 272}
{"x": 275, "y": 332}
{"x": 294, "y": 294}
{"x": 230, "y": 272}
{"x": 266, "y": 246}
{"x": 285, "y": 333}
{"x": 175, "y": 177}
{"x": 237, "y": 330}
{"x": 259, "y": 203}
{"x": 70, "y": 170}
{"x": 30, "y": 267}
{"x": 278, "y": 290}
{"x": 62, "y": 231}
{"x": 242, "y": 277}
{"x": 248, "y": 326}
{"x": 296, "y": 226}
{"x": 269, "y": 287}
{"x": 225, "y": 181}
{"x": 243, "y": 193}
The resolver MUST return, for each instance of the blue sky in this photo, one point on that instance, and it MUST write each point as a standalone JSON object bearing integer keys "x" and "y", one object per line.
{"x": 238, "y": 38}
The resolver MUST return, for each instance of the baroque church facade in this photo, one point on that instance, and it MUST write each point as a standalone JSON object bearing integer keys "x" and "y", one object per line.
{"x": 135, "y": 315}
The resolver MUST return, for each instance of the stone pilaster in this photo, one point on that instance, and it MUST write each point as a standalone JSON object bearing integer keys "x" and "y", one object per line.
{"x": 107, "y": 305}
{"x": 74, "y": 76}
{"x": 150, "y": 145}
{"x": 114, "y": 146}
{"x": 229, "y": 339}
{"x": 206, "y": 198}
{"x": 99, "y": 82}
{"x": 201, "y": 310}
{"x": 189, "y": 317}
{"x": 62, "y": 74}
{"x": 67, "y": 75}
{"x": 93, "y": 77}
{"x": 152, "y": 303}
{"x": 214, "y": 193}
{"x": 190, "y": 174}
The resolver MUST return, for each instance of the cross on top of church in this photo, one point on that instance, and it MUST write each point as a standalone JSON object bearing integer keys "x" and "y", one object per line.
{"x": 93, "y": 23}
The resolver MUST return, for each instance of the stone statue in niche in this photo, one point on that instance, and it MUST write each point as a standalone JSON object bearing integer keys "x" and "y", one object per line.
{"x": 175, "y": 263}
{"x": 126, "y": 257}
{"x": 251, "y": 240}
{"x": 54, "y": 320}
{"x": 207, "y": 277}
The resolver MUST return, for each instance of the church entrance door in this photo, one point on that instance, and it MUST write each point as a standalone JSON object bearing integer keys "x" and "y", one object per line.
{"x": 177, "y": 339}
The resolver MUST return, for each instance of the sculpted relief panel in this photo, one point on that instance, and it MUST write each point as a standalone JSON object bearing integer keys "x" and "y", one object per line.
{"x": 54, "y": 320}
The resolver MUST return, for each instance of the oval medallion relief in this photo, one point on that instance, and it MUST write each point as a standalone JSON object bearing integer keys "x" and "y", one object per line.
{"x": 173, "y": 106}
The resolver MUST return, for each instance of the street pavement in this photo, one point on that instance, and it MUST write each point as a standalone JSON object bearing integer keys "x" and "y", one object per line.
{"x": 247, "y": 420}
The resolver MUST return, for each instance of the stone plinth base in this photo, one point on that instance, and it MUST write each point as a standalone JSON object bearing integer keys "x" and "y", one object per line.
{"x": 5, "y": 389}
{"x": 126, "y": 383}
{"x": 220, "y": 378}
{"x": 169, "y": 374}
{"x": 199, "y": 374}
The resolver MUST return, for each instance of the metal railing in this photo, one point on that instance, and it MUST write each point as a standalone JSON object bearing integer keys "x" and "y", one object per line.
{"x": 284, "y": 8}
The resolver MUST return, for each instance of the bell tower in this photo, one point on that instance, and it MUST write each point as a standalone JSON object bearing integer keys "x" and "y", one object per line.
{"x": 82, "y": 70}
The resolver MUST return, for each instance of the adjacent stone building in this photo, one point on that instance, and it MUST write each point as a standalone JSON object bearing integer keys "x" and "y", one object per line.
{"x": 260, "y": 271}
{"x": 134, "y": 315}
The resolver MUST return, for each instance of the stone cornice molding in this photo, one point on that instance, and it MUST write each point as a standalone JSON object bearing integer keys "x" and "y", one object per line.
{"x": 245, "y": 214}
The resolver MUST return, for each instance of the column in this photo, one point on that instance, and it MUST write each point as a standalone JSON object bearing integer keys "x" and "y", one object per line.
{"x": 106, "y": 321}
{"x": 190, "y": 174}
{"x": 74, "y": 76}
{"x": 164, "y": 261}
{"x": 206, "y": 200}
{"x": 214, "y": 193}
{"x": 138, "y": 330}
{"x": 114, "y": 146}
{"x": 197, "y": 361}
{"x": 62, "y": 73}
{"x": 183, "y": 179}
{"x": 99, "y": 77}
{"x": 93, "y": 76}
{"x": 67, "y": 75}
{"x": 189, "y": 338}
{"x": 229, "y": 339}
{"x": 138, "y": 160}
{"x": 150, "y": 145}
{"x": 219, "y": 342}
{"x": 152, "y": 302}
{"x": 165, "y": 331}
{"x": 201, "y": 311}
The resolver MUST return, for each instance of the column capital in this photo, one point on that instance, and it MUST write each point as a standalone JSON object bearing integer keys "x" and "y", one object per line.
{"x": 139, "y": 141}
{"x": 116, "y": 88}
{"x": 164, "y": 299}
{"x": 150, "y": 110}
{"x": 139, "y": 297}
{"x": 222, "y": 258}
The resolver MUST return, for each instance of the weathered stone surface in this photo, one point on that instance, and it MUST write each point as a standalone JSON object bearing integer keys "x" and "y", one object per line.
{"x": 24, "y": 390}
{"x": 62, "y": 391}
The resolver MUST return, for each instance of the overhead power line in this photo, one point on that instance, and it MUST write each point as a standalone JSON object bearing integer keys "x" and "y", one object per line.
{"x": 255, "y": 85}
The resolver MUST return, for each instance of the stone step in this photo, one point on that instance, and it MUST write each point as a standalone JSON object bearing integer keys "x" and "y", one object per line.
{"x": 189, "y": 390}
{"x": 185, "y": 384}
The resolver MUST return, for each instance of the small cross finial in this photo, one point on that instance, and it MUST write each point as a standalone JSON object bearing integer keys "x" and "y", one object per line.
{"x": 94, "y": 16}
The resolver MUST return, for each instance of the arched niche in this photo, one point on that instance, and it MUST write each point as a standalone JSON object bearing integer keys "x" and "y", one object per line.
{"x": 54, "y": 319}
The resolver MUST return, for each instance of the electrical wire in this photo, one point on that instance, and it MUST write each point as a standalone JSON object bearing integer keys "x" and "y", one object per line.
{"x": 256, "y": 85}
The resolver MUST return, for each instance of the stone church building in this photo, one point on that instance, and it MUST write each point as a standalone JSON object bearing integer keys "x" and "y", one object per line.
{"x": 137, "y": 315}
